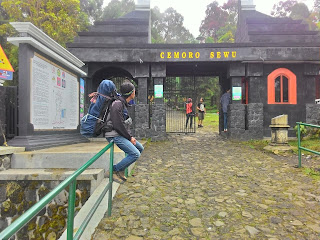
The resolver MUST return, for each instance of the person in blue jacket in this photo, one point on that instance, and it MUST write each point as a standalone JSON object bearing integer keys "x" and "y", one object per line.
{"x": 225, "y": 101}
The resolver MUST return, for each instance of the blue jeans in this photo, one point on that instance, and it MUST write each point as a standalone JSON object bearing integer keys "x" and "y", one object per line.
{"x": 133, "y": 152}
{"x": 225, "y": 120}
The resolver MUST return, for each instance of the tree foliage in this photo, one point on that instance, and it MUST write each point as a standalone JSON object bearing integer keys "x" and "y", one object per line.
{"x": 220, "y": 22}
{"x": 93, "y": 8}
{"x": 168, "y": 27}
{"x": 283, "y": 8}
{"x": 297, "y": 10}
{"x": 117, "y": 8}
{"x": 60, "y": 19}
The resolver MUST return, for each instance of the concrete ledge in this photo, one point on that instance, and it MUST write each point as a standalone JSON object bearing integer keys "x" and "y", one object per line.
{"x": 69, "y": 156}
{"x": 95, "y": 176}
{"x": 48, "y": 174}
{"x": 11, "y": 150}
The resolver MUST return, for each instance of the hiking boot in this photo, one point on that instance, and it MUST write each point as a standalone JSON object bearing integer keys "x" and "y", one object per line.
{"x": 117, "y": 177}
{"x": 123, "y": 176}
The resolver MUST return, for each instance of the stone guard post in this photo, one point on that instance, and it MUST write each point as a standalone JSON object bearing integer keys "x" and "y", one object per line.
{"x": 279, "y": 130}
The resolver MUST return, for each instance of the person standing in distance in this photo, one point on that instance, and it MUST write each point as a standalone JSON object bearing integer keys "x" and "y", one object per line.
{"x": 120, "y": 133}
{"x": 189, "y": 112}
{"x": 202, "y": 111}
{"x": 225, "y": 101}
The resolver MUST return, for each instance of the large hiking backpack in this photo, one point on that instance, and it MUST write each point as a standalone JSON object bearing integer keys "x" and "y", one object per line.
{"x": 94, "y": 121}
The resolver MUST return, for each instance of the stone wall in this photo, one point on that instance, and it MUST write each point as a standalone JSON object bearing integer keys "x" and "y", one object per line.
{"x": 158, "y": 122}
{"x": 313, "y": 114}
{"x": 142, "y": 120}
{"x": 254, "y": 120}
{"x": 5, "y": 162}
{"x": 18, "y": 196}
{"x": 245, "y": 122}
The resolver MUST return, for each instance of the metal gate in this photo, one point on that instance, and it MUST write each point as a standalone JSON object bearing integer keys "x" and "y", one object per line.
{"x": 11, "y": 103}
{"x": 177, "y": 90}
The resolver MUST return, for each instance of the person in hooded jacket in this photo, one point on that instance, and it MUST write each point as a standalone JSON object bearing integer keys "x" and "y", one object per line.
{"x": 120, "y": 131}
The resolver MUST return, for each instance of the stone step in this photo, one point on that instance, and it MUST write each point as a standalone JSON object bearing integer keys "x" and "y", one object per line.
{"x": 65, "y": 157}
{"x": 95, "y": 176}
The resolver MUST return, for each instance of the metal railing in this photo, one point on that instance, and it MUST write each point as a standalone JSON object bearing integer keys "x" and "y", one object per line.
{"x": 71, "y": 182}
{"x": 299, "y": 141}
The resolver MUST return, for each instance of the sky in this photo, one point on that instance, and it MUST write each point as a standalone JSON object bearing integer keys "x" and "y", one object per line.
{"x": 194, "y": 11}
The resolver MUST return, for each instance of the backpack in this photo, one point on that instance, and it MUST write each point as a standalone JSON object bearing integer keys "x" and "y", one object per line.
{"x": 94, "y": 122}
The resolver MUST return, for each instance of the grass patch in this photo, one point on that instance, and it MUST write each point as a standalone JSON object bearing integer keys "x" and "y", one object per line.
{"x": 211, "y": 120}
{"x": 312, "y": 143}
{"x": 211, "y": 109}
{"x": 256, "y": 144}
{"x": 315, "y": 174}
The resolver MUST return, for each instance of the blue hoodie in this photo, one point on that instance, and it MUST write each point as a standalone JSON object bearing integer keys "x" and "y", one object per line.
{"x": 88, "y": 122}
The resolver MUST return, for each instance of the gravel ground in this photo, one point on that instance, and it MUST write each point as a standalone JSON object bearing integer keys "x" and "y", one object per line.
{"x": 201, "y": 186}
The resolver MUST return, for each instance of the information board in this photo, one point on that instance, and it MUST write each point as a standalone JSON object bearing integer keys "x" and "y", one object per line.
{"x": 236, "y": 93}
{"x": 54, "y": 96}
{"x": 158, "y": 91}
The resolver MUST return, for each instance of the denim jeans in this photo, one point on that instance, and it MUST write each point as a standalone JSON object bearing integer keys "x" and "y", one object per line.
{"x": 225, "y": 120}
{"x": 189, "y": 115}
{"x": 133, "y": 152}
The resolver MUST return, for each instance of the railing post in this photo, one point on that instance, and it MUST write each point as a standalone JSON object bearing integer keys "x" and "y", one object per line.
{"x": 72, "y": 198}
{"x": 110, "y": 180}
{"x": 299, "y": 145}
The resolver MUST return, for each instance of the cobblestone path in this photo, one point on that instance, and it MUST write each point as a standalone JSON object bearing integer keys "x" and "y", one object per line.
{"x": 200, "y": 186}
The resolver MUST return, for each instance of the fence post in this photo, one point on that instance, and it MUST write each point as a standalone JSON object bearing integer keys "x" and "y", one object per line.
{"x": 299, "y": 145}
{"x": 72, "y": 198}
{"x": 110, "y": 180}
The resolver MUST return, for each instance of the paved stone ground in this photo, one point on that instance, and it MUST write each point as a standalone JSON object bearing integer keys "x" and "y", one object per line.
{"x": 200, "y": 186}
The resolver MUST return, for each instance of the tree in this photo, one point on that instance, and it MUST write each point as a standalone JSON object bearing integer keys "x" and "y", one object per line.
{"x": 118, "y": 8}
{"x": 296, "y": 10}
{"x": 156, "y": 19}
{"x": 168, "y": 27}
{"x": 220, "y": 23}
{"x": 283, "y": 8}
{"x": 93, "y": 8}
{"x": 316, "y": 13}
{"x": 60, "y": 19}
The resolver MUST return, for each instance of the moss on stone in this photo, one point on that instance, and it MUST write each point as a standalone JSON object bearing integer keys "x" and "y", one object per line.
{"x": 42, "y": 192}
{"x": 57, "y": 223}
{"x": 32, "y": 226}
{"x": 63, "y": 211}
{"x": 77, "y": 201}
{"x": 22, "y": 207}
{"x": 44, "y": 228}
{"x": 34, "y": 184}
{"x": 14, "y": 192}
{"x": 84, "y": 196}
{"x": 50, "y": 235}
{"x": 52, "y": 209}
{"x": 8, "y": 209}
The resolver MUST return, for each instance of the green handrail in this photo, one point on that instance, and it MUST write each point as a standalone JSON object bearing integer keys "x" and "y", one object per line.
{"x": 71, "y": 182}
{"x": 299, "y": 141}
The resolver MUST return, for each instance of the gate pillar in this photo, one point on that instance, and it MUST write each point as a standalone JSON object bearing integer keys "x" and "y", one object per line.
{"x": 158, "y": 122}
{"x": 141, "y": 113}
